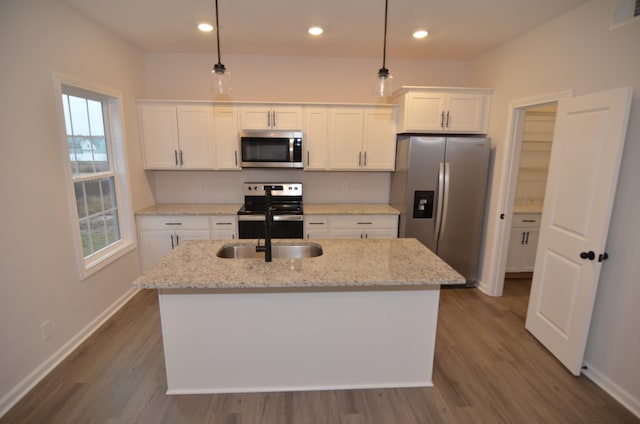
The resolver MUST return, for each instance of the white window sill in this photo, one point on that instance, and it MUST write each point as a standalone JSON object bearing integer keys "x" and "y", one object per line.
{"x": 92, "y": 265}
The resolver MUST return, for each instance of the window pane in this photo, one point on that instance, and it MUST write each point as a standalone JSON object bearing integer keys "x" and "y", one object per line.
{"x": 108, "y": 193}
{"x": 100, "y": 154}
{"x": 79, "y": 116}
{"x": 113, "y": 227}
{"x": 98, "y": 233}
{"x": 95, "y": 117}
{"x": 74, "y": 151}
{"x": 94, "y": 198}
{"x": 79, "y": 190}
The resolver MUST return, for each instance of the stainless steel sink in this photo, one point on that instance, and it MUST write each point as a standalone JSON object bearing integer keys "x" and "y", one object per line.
{"x": 278, "y": 250}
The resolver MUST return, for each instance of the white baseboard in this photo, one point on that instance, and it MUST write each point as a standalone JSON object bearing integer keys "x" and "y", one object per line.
{"x": 615, "y": 391}
{"x": 28, "y": 383}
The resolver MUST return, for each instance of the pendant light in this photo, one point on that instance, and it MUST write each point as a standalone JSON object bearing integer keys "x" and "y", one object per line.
{"x": 383, "y": 80}
{"x": 220, "y": 77}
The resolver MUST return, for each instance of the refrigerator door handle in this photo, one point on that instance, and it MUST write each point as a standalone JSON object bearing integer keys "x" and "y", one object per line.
{"x": 445, "y": 207}
{"x": 440, "y": 200}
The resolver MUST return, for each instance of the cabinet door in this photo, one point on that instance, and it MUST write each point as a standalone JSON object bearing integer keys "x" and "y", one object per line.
{"x": 345, "y": 138}
{"x": 255, "y": 118}
{"x": 286, "y": 118}
{"x": 154, "y": 245}
{"x": 159, "y": 132}
{"x": 182, "y": 235}
{"x": 267, "y": 117}
{"x": 196, "y": 137}
{"x": 316, "y": 143}
{"x": 226, "y": 136}
{"x": 529, "y": 250}
{"x": 516, "y": 249}
{"x": 423, "y": 111}
{"x": 379, "y": 140}
{"x": 465, "y": 113}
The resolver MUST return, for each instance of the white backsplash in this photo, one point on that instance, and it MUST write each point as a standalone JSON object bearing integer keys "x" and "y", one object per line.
{"x": 226, "y": 186}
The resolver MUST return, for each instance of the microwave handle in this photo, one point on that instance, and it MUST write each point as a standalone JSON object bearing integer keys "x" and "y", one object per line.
{"x": 291, "y": 145}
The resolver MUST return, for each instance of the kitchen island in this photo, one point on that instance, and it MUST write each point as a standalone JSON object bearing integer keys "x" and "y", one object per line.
{"x": 361, "y": 315}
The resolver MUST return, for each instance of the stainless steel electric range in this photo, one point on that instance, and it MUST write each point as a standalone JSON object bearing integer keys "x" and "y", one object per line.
{"x": 286, "y": 206}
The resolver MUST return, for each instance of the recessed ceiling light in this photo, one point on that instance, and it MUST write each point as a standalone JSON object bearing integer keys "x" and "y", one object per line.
{"x": 315, "y": 30}
{"x": 421, "y": 33}
{"x": 205, "y": 27}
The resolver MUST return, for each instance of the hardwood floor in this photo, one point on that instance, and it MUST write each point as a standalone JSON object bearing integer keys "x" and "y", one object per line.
{"x": 488, "y": 369}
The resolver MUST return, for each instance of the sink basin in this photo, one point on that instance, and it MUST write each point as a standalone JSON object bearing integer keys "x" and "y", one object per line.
{"x": 278, "y": 250}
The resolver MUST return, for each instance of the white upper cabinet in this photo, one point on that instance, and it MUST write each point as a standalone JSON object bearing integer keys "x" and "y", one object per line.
{"x": 159, "y": 133}
{"x": 226, "y": 137}
{"x": 315, "y": 142}
{"x": 443, "y": 110}
{"x": 379, "y": 143}
{"x": 183, "y": 136}
{"x": 267, "y": 117}
{"x": 196, "y": 137}
{"x": 362, "y": 138}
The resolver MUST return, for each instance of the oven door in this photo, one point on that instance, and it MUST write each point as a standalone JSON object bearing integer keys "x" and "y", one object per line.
{"x": 284, "y": 227}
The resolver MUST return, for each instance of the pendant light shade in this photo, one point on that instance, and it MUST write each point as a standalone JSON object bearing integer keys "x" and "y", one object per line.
{"x": 383, "y": 81}
{"x": 220, "y": 79}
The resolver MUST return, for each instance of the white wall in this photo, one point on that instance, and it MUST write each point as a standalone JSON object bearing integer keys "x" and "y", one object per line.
{"x": 38, "y": 268}
{"x": 577, "y": 51}
{"x": 284, "y": 79}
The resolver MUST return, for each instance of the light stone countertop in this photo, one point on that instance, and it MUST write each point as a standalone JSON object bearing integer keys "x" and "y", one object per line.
{"x": 527, "y": 208}
{"x": 232, "y": 209}
{"x": 191, "y": 209}
{"x": 345, "y": 264}
{"x": 349, "y": 209}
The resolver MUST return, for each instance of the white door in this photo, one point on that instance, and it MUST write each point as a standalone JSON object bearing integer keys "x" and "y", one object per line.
{"x": 583, "y": 172}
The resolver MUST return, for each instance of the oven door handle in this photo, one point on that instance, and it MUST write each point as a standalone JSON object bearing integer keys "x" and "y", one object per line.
{"x": 288, "y": 218}
{"x": 275, "y": 218}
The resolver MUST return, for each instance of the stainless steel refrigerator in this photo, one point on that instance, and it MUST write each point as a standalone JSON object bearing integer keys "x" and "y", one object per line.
{"x": 439, "y": 186}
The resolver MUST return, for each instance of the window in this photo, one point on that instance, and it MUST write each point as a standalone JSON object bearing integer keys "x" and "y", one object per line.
{"x": 95, "y": 164}
{"x": 625, "y": 12}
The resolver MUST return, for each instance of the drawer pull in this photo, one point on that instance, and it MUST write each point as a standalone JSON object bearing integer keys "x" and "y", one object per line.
{"x": 365, "y": 223}
{"x": 173, "y": 223}
{"x": 529, "y": 220}
{"x": 223, "y": 223}
{"x": 316, "y": 223}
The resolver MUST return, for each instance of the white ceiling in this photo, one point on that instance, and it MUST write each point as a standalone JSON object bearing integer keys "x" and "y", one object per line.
{"x": 459, "y": 29}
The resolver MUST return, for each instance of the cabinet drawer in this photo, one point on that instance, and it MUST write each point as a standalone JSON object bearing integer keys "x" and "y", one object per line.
{"x": 316, "y": 222}
{"x": 526, "y": 219}
{"x": 364, "y": 221}
{"x": 175, "y": 222}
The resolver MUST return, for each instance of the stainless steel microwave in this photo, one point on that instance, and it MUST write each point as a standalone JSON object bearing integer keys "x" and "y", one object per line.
{"x": 271, "y": 149}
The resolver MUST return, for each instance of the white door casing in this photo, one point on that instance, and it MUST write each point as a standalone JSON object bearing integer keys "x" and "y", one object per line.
{"x": 583, "y": 173}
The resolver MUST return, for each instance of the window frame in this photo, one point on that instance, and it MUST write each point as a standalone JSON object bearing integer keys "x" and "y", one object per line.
{"x": 111, "y": 101}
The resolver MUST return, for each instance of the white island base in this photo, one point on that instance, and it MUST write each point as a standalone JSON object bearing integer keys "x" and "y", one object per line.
{"x": 258, "y": 341}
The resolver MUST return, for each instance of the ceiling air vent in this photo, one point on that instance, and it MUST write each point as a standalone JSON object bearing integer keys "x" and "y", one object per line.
{"x": 624, "y": 12}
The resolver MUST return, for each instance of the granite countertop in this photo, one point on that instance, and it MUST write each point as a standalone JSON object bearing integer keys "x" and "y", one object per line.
{"x": 349, "y": 209}
{"x": 232, "y": 209}
{"x": 528, "y": 207}
{"x": 344, "y": 264}
{"x": 190, "y": 209}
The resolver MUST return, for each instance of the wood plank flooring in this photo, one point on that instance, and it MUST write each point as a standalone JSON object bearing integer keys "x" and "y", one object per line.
{"x": 488, "y": 369}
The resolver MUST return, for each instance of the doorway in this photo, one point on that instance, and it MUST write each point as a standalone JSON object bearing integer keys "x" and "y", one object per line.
{"x": 510, "y": 167}
{"x": 531, "y": 180}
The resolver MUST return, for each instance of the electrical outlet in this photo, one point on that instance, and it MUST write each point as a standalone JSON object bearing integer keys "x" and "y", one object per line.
{"x": 345, "y": 186}
{"x": 198, "y": 186}
{"x": 46, "y": 330}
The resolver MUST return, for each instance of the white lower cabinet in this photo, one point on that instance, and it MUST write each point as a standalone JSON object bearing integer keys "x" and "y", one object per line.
{"x": 224, "y": 227}
{"x": 351, "y": 226}
{"x": 159, "y": 235}
{"x": 523, "y": 242}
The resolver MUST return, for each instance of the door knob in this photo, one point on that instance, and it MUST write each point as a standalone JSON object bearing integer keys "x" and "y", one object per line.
{"x": 603, "y": 257}
{"x": 588, "y": 255}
